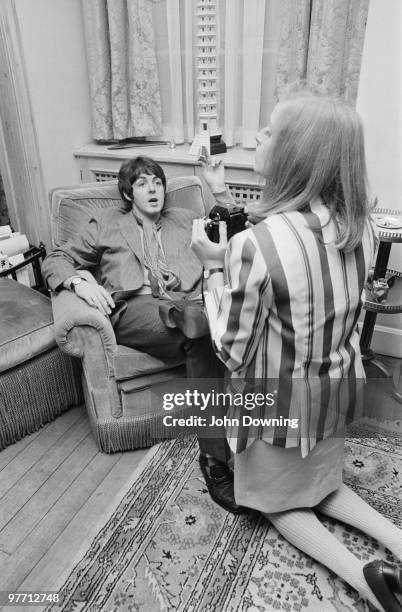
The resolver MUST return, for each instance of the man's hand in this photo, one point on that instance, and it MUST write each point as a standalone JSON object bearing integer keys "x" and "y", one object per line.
{"x": 213, "y": 172}
{"x": 95, "y": 296}
{"x": 210, "y": 254}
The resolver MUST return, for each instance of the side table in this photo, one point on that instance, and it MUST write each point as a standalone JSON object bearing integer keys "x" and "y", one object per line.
{"x": 34, "y": 256}
{"x": 388, "y": 233}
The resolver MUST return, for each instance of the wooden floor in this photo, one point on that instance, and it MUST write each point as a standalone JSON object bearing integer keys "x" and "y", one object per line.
{"x": 56, "y": 492}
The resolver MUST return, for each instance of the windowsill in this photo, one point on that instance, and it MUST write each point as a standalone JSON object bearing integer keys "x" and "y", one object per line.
{"x": 235, "y": 157}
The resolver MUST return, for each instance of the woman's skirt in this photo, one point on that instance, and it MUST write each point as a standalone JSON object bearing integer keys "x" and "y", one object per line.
{"x": 272, "y": 479}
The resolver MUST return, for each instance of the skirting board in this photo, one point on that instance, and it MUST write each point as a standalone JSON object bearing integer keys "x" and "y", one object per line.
{"x": 386, "y": 340}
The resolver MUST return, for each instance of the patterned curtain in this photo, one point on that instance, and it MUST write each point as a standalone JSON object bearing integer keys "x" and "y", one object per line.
{"x": 322, "y": 42}
{"x": 141, "y": 56}
{"x": 123, "y": 74}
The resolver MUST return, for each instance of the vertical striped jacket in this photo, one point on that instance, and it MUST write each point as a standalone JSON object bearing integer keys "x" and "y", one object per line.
{"x": 287, "y": 319}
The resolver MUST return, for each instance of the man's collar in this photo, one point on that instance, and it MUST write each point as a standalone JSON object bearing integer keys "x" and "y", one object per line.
{"x": 141, "y": 220}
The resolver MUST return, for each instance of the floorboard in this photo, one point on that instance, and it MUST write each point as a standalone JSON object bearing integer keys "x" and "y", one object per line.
{"x": 4, "y": 558}
{"x": 35, "y": 477}
{"x": 8, "y": 453}
{"x": 22, "y": 456}
{"x": 48, "y": 567}
{"x": 37, "y": 507}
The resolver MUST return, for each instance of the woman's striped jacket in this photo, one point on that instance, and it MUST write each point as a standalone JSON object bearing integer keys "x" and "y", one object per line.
{"x": 286, "y": 322}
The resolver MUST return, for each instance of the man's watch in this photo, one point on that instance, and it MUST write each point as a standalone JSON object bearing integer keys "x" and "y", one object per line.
{"x": 208, "y": 273}
{"x": 75, "y": 281}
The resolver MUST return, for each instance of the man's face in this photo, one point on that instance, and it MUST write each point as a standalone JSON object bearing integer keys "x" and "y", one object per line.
{"x": 149, "y": 196}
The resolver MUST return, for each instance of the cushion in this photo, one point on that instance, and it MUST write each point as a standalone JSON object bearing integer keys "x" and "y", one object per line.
{"x": 73, "y": 206}
{"x": 136, "y": 394}
{"x": 26, "y": 324}
{"x": 129, "y": 363}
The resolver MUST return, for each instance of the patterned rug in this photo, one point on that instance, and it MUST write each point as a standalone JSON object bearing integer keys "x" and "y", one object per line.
{"x": 169, "y": 547}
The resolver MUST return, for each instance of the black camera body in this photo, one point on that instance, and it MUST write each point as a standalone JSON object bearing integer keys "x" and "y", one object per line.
{"x": 234, "y": 216}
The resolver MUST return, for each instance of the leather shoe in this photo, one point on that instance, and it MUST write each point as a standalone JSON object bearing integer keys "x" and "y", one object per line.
{"x": 187, "y": 316}
{"x": 384, "y": 580}
{"x": 220, "y": 484}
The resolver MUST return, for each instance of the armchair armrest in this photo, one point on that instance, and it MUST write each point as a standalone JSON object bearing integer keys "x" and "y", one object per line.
{"x": 70, "y": 312}
{"x": 85, "y": 332}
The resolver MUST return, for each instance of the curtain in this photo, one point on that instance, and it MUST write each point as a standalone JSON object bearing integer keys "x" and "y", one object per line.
{"x": 142, "y": 57}
{"x": 123, "y": 75}
{"x": 248, "y": 39}
{"x": 244, "y": 47}
{"x": 322, "y": 42}
{"x": 175, "y": 45}
{"x": 4, "y": 217}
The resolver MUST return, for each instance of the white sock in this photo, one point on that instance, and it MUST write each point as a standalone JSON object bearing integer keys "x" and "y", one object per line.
{"x": 303, "y": 529}
{"x": 344, "y": 505}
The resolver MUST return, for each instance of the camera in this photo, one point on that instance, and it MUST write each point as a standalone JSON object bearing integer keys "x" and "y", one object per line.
{"x": 234, "y": 216}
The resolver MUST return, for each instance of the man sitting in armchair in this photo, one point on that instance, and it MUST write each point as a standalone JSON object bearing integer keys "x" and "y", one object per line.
{"x": 149, "y": 283}
{"x": 149, "y": 279}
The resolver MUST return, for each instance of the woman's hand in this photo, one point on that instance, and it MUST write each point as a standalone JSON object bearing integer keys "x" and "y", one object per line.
{"x": 213, "y": 172}
{"x": 210, "y": 254}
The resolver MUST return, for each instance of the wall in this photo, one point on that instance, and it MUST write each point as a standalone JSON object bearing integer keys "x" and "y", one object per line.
{"x": 52, "y": 39}
{"x": 380, "y": 106}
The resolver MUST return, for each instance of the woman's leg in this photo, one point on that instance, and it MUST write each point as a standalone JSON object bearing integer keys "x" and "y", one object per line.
{"x": 344, "y": 505}
{"x": 303, "y": 529}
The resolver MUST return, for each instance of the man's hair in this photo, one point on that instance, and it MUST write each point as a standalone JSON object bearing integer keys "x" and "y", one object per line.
{"x": 132, "y": 169}
{"x": 317, "y": 150}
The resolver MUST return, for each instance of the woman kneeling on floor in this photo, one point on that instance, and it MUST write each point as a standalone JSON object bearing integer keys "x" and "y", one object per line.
{"x": 283, "y": 299}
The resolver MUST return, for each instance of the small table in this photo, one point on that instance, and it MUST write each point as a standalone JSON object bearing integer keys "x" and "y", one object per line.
{"x": 393, "y": 302}
{"x": 34, "y": 256}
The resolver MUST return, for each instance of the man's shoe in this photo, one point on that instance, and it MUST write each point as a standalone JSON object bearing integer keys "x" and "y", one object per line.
{"x": 187, "y": 316}
{"x": 384, "y": 580}
{"x": 220, "y": 484}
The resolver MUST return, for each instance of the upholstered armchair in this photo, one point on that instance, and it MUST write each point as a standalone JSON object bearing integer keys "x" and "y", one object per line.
{"x": 116, "y": 379}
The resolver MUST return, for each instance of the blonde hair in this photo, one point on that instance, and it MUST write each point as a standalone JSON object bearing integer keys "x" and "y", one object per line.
{"x": 317, "y": 150}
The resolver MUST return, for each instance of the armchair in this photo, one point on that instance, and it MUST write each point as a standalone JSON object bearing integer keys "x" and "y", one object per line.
{"x": 116, "y": 379}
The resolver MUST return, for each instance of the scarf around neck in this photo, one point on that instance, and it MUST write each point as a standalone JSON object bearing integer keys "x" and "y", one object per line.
{"x": 162, "y": 280}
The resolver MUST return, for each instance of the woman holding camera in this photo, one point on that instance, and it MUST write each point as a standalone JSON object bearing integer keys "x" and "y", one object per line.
{"x": 283, "y": 300}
